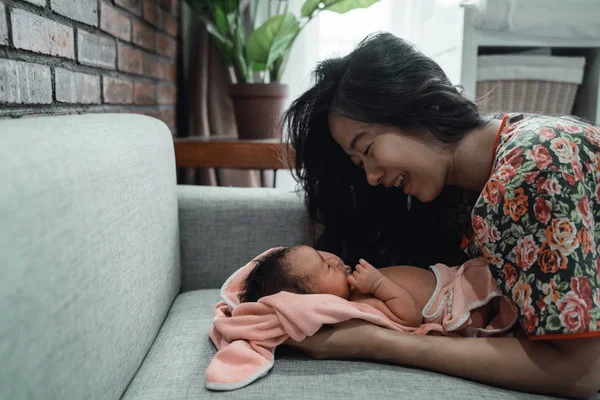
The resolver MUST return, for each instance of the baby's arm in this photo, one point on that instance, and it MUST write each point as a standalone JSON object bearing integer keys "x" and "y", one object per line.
{"x": 368, "y": 280}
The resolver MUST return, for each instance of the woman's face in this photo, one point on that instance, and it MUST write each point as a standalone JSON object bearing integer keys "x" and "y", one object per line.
{"x": 391, "y": 158}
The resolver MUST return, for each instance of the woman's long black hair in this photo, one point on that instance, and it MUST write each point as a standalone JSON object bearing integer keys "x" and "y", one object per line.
{"x": 385, "y": 80}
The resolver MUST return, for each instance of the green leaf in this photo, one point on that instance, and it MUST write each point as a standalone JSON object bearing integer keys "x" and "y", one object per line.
{"x": 343, "y": 6}
{"x": 309, "y": 7}
{"x": 575, "y": 257}
{"x": 214, "y": 30}
{"x": 279, "y": 66}
{"x": 258, "y": 67}
{"x": 541, "y": 331}
{"x": 225, "y": 53}
{"x": 230, "y": 6}
{"x": 272, "y": 39}
{"x": 563, "y": 286}
{"x": 221, "y": 22}
{"x": 578, "y": 270}
{"x": 553, "y": 323}
{"x": 338, "y": 6}
{"x": 528, "y": 166}
{"x": 530, "y": 278}
{"x": 589, "y": 271}
{"x": 538, "y": 285}
{"x": 575, "y": 216}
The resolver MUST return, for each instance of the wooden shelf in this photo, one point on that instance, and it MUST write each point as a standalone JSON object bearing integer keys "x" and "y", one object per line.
{"x": 229, "y": 152}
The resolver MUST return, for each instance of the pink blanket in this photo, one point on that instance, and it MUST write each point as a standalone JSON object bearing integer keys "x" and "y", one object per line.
{"x": 247, "y": 334}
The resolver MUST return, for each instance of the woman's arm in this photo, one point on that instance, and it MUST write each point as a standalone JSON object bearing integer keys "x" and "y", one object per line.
{"x": 568, "y": 368}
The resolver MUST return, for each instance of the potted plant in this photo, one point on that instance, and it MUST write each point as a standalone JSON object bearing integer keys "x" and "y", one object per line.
{"x": 257, "y": 57}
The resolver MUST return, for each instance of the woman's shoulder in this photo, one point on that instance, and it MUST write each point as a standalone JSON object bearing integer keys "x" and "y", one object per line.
{"x": 541, "y": 159}
{"x": 538, "y": 143}
{"x": 547, "y": 143}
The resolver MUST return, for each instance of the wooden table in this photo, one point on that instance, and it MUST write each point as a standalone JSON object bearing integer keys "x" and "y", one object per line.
{"x": 230, "y": 152}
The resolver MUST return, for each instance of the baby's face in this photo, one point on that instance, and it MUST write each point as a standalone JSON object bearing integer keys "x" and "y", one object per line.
{"x": 326, "y": 272}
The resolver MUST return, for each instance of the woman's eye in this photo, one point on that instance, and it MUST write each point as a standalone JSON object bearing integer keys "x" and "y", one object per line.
{"x": 366, "y": 153}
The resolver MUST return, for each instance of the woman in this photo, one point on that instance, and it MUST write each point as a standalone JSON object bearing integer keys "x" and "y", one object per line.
{"x": 531, "y": 184}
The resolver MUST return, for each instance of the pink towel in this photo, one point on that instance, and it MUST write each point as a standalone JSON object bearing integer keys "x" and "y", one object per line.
{"x": 460, "y": 290}
{"x": 247, "y": 334}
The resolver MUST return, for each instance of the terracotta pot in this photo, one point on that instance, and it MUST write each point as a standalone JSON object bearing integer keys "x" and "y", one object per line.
{"x": 258, "y": 108}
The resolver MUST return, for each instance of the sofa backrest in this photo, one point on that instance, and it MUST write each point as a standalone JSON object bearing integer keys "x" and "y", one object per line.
{"x": 89, "y": 252}
{"x": 223, "y": 228}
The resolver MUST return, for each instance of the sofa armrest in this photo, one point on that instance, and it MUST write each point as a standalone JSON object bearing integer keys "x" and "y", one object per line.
{"x": 222, "y": 228}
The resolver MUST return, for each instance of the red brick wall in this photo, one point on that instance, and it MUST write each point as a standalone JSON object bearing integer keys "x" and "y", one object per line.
{"x": 79, "y": 56}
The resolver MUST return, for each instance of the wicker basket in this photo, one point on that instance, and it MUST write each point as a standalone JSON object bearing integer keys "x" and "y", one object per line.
{"x": 532, "y": 84}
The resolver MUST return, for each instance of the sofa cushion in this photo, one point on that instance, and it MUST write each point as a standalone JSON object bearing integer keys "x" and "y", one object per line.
{"x": 89, "y": 252}
{"x": 222, "y": 228}
{"x": 174, "y": 369}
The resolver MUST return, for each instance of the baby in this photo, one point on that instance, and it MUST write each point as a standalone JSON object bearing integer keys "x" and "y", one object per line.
{"x": 402, "y": 293}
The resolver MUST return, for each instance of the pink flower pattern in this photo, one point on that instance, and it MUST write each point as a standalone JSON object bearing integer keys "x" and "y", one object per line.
{"x": 538, "y": 215}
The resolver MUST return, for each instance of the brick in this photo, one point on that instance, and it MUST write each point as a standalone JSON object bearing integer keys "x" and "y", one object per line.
{"x": 85, "y": 11}
{"x": 150, "y": 113}
{"x": 144, "y": 93}
{"x": 153, "y": 14}
{"x": 175, "y": 7}
{"x": 153, "y": 66}
{"x": 75, "y": 87}
{"x": 95, "y": 50}
{"x": 41, "y": 35}
{"x": 165, "y": 4}
{"x": 130, "y": 60}
{"x": 117, "y": 91}
{"x": 166, "y": 46}
{"x": 171, "y": 72}
{"x": 25, "y": 83}
{"x": 171, "y": 25}
{"x": 166, "y": 94}
{"x": 37, "y": 2}
{"x": 3, "y": 26}
{"x": 143, "y": 35}
{"x": 168, "y": 117}
{"x": 132, "y": 6}
{"x": 114, "y": 22}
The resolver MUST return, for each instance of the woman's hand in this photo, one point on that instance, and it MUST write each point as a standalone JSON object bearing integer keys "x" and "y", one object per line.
{"x": 350, "y": 339}
{"x": 569, "y": 368}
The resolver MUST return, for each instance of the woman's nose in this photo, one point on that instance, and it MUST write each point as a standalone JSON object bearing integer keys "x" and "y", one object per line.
{"x": 374, "y": 174}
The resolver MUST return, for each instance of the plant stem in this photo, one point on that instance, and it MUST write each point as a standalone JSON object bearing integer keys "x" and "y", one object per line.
{"x": 270, "y": 9}
{"x": 254, "y": 12}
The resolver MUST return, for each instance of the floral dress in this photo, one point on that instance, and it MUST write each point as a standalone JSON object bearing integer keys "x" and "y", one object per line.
{"x": 537, "y": 221}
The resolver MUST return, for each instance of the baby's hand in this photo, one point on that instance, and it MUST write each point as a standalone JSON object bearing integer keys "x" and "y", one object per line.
{"x": 365, "y": 278}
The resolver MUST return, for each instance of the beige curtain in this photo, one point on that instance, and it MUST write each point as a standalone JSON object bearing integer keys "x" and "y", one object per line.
{"x": 209, "y": 108}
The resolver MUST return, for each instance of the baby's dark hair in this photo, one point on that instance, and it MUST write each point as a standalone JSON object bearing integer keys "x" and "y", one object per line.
{"x": 272, "y": 274}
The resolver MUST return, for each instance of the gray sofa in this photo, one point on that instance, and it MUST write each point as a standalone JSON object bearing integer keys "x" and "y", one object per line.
{"x": 109, "y": 272}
